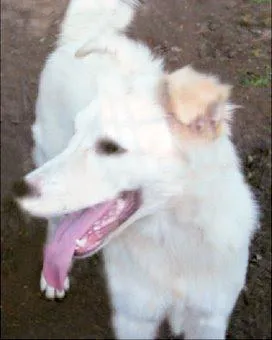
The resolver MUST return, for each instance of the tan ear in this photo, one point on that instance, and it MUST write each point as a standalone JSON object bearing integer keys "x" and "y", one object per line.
{"x": 197, "y": 104}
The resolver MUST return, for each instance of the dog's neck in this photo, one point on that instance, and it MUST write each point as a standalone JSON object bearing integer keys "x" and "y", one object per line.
{"x": 200, "y": 157}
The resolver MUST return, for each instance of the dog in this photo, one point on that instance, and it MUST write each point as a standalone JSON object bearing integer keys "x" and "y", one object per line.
{"x": 139, "y": 163}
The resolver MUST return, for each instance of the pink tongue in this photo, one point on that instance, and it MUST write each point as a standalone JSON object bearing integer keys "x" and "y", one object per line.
{"x": 59, "y": 252}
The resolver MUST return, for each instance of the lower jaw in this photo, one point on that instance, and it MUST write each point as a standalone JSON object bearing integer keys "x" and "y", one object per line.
{"x": 100, "y": 243}
{"x": 88, "y": 253}
{"x": 131, "y": 210}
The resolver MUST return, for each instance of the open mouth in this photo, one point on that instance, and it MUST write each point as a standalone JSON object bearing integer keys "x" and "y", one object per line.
{"x": 84, "y": 232}
{"x": 112, "y": 214}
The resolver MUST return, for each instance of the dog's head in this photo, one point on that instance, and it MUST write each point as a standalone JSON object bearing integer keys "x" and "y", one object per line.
{"x": 123, "y": 161}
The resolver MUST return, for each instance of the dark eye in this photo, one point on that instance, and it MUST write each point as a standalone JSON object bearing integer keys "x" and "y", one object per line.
{"x": 107, "y": 146}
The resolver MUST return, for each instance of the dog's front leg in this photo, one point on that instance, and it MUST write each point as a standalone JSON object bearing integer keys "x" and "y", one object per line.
{"x": 139, "y": 305}
{"x": 176, "y": 317}
{"x": 129, "y": 327}
{"x": 206, "y": 327}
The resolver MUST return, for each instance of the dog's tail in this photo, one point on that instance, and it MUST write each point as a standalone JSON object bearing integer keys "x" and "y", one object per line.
{"x": 90, "y": 19}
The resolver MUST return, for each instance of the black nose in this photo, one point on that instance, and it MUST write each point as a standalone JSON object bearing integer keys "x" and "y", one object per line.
{"x": 22, "y": 189}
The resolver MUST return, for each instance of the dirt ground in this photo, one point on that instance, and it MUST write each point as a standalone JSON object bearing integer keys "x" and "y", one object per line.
{"x": 230, "y": 38}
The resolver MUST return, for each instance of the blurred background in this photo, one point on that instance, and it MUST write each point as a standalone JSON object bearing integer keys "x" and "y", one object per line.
{"x": 230, "y": 38}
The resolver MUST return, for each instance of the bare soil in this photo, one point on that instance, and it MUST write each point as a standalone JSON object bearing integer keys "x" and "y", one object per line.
{"x": 230, "y": 38}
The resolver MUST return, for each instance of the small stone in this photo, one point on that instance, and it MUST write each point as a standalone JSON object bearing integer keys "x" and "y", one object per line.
{"x": 174, "y": 59}
{"x": 258, "y": 257}
{"x": 231, "y": 4}
{"x": 213, "y": 26}
{"x": 250, "y": 159}
{"x": 249, "y": 175}
{"x": 176, "y": 49}
{"x": 231, "y": 54}
{"x": 204, "y": 50}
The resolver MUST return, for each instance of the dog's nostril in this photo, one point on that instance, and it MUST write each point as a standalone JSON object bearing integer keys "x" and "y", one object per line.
{"x": 22, "y": 188}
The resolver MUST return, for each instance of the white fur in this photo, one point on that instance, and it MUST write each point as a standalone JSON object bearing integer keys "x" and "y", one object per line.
{"x": 184, "y": 254}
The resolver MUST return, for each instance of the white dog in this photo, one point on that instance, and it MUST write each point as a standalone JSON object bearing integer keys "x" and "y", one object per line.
{"x": 140, "y": 163}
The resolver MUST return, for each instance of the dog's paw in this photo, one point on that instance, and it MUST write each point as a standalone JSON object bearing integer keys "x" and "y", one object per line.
{"x": 52, "y": 293}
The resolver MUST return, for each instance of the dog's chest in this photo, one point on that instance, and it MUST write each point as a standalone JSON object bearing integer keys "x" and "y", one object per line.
{"x": 164, "y": 249}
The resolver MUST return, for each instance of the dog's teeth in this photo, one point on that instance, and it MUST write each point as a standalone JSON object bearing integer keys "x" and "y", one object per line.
{"x": 108, "y": 220}
{"x": 120, "y": 205}
{"x": 82, "y": 242}
{"x": 111, "y": 214}
{"x": 97, "y": 226}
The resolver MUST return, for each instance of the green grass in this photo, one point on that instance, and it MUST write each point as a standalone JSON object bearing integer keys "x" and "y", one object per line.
{"x": 261, "y": 1}
{"x": 256, "y": 80}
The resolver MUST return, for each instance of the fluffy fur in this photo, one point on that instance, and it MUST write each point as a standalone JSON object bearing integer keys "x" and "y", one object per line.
{"x": 184, "y": 254}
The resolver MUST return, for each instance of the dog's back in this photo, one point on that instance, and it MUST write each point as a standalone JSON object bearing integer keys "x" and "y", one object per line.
{"x": 89, "y": 44}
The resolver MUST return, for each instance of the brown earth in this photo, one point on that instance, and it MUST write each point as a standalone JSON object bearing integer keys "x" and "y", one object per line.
{"x": 229, "y": 38}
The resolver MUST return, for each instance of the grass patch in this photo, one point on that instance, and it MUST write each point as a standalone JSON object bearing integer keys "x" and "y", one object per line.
{"x": 261, "y": 1}
{"x": 256, "y": 80}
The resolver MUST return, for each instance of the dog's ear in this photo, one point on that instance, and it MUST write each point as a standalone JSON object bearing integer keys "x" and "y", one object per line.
{"x": 197, "y": 104}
